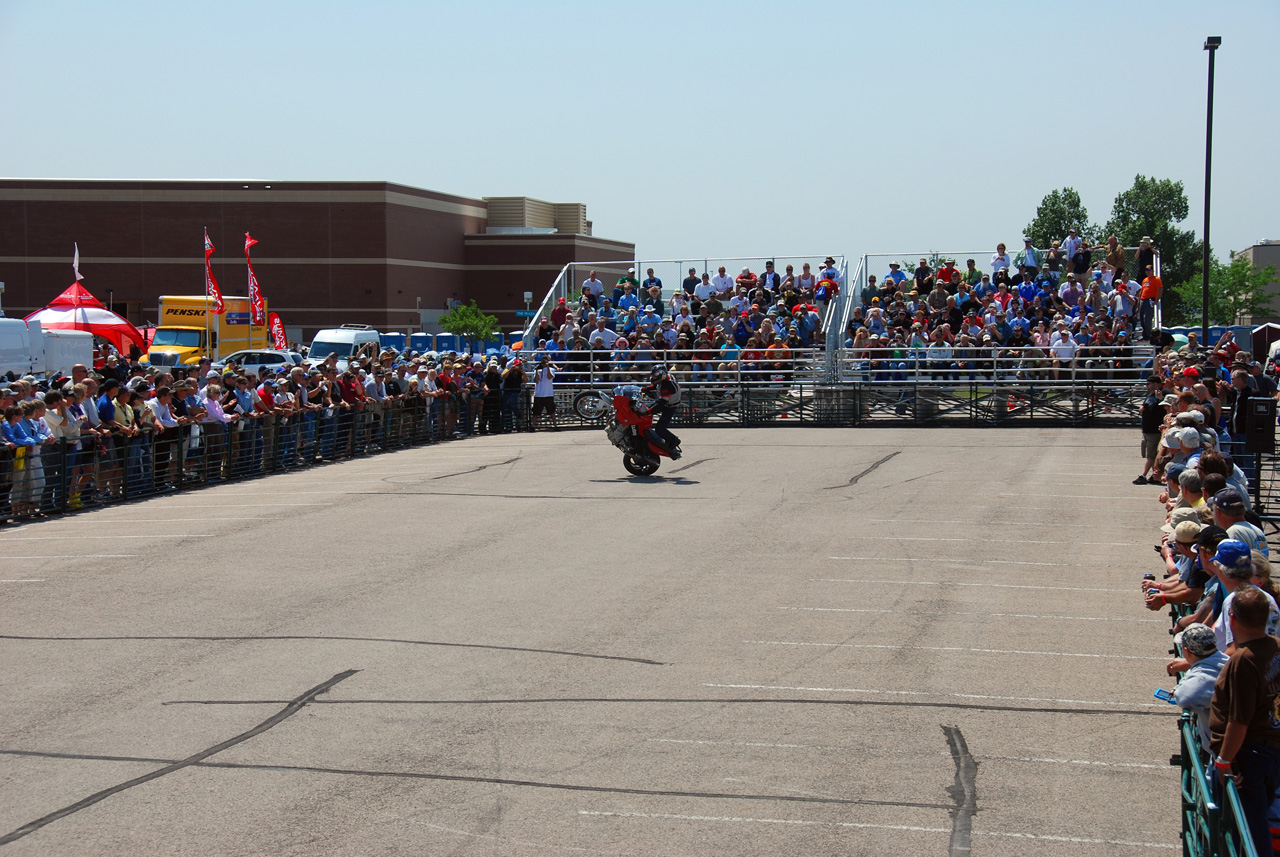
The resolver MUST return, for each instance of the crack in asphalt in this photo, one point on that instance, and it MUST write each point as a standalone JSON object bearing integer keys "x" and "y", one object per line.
{"x": 294, "y": 706}
{"x": 477, "y": 469}
{"x": 853, "y": 480}
{"x": 460, "y": 778}
{"x": 873, "y": 703}
{"x": 249, "y": 638}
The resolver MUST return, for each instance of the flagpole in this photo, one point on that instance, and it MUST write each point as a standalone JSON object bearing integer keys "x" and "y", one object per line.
{"x": 208, "y": 340}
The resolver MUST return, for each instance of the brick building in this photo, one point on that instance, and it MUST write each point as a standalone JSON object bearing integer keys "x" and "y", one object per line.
{"x": 329, "y": 253}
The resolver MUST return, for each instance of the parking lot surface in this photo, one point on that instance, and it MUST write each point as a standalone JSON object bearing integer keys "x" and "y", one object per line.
{"x": 788, "y": 642}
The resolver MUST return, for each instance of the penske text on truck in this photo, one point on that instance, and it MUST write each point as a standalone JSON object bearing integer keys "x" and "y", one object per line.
{"x": 188, "y": 331}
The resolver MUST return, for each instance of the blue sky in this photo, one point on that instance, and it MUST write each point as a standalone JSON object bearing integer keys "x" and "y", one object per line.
{"x": 689, "y": 128}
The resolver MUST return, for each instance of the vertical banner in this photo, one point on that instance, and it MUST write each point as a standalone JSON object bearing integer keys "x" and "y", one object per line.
{"x": 278, "y": 339}
{"x": 75, "y": 263}
{"x": 256, "y": 304}
{"x": 210, "y": 284}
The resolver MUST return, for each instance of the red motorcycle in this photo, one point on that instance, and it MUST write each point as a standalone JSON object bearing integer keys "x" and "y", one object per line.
{"x": 628, "y": 429}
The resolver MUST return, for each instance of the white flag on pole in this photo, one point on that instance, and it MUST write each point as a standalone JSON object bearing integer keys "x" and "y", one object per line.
{"x": 75, "y": 264}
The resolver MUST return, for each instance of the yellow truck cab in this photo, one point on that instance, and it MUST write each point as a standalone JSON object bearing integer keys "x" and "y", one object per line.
{"x": 188, "y": 331}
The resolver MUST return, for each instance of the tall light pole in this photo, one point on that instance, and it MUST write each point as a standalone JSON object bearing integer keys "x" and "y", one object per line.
{"x": 1211, "y": 44}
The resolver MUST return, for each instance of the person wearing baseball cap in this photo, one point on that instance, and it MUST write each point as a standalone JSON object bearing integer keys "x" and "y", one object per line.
{"x": 1204, "y": 663}
{"x": 1228, "y": 513}
{"x": 1180, "y": 554}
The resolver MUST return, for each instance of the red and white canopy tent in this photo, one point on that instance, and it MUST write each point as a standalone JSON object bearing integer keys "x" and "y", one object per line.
{"x": 76, "y": 309}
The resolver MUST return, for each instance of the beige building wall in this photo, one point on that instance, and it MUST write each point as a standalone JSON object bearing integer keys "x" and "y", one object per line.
{"x": 1261, "y": 255}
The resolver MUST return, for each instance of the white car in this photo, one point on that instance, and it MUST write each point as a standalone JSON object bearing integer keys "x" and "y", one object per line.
{"x": 257, "y": 359}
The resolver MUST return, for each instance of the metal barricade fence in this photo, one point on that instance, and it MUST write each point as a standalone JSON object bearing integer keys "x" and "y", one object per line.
{"x": 752, "y": 388}
{"x": 74, "y": 473}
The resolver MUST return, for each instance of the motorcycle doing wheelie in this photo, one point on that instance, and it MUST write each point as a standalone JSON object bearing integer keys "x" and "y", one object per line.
{"x": 629, "y": 430}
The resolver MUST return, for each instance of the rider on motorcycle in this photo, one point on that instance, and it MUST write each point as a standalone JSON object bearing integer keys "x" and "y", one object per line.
{"x": 666, "y": 394}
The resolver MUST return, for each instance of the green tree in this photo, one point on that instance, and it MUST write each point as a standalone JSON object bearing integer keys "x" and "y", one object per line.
{"x": 1058, "y": 212}
{"x": 1154, "y": 207}
{"x": 1237, "y": 292}
{"x": 467, "y": 320}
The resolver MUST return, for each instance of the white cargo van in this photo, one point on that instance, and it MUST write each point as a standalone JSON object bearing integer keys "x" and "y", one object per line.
{"x": 29, "y": 349}
{"x": 343, "y": 341}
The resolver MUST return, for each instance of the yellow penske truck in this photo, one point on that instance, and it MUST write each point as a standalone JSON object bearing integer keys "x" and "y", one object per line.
{"x": 189, "y": 330}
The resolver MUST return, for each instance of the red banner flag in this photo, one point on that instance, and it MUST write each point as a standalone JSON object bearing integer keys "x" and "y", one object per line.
{"x": 210, "y": 284}
{"x": 256, "y": 305}
{"x": 278, "y": 339}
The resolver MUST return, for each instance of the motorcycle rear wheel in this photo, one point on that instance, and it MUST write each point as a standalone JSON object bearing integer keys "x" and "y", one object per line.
{"x": 638, "y": 466}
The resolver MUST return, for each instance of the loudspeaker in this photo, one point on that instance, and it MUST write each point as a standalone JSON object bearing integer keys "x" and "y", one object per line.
{"x": 1260, "y": 425}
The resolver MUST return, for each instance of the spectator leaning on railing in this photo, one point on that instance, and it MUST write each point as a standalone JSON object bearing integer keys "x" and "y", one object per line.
{"x": 1244, "y": 730}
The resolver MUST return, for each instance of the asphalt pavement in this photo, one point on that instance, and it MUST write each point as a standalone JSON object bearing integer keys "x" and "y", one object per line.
{"x": 803, "y": 641}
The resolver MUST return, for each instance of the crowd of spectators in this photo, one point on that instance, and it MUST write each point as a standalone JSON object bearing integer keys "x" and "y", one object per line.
{"x": 1215, "y": 573}
{"x": 1039, "y": 312}
{"x": 712, "y": 327}
{"x": 125, "y": 429}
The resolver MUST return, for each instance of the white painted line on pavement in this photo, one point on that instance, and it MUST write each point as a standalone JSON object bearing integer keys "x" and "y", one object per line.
{"x": 737, "y": 819}
{"x": 26, "y": 580}
{"x": 1002, "y": 522}
{"x": 965, "y": 561}
{"x": 974, "y": 613}
{"x": 74, "y": 556}
{"x": 1146, "y": 501}
{"x": 208, "y": 519}
{"x": 772, "y": 746}
{"x": 949, "y": 695}
{"x": 1108, "y": 656}
{"x": 766, "y": 745}
{"x": 1020, "y": 541}
{"x": 83, "y": 536}
{"x": 1088, "y": 762}
{"x": 983, "y": 585}
{"x": 216, "y": 497}
{"x": 252, "y": 505}
{"x": 740, "y": 819}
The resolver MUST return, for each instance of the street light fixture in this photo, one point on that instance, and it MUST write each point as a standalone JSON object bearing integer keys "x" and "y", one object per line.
{"x": 1211, "y": 44}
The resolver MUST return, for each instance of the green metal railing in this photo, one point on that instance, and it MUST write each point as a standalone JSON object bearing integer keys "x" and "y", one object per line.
{"x": 1209, "y": 829}
{"x": 1213, "y": 823}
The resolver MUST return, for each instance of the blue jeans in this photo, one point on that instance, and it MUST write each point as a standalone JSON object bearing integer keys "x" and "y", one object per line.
{"x": 1147, "y": 315}
{"x": 137, "y": 468}
{"x": 1259, "y": 768}
{"x": 510, "y": 410}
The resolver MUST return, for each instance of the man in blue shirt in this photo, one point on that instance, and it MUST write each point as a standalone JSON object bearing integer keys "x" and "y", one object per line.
{"x": 1002, "y": 325}
{"x": 649, "y": 321}
{"x": 607, "y": 314}
{"x": 895, "y": 273}
{"x": 106, "y": 402}
{"x": 1027, "y": 288}
{"x": 650, "y": 281}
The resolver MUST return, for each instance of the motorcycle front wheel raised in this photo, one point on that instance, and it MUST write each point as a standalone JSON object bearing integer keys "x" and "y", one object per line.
{"x": 638, "y": 466}
{"x": 592, "y": 405}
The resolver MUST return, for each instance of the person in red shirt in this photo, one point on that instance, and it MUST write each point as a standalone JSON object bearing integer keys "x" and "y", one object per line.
{"x": 949, "y": 275}
{"x": 352, "y": 393}
{"x": 748, "y": 279}
{"x": 559, "y": 314}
